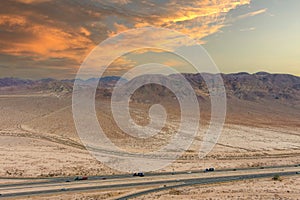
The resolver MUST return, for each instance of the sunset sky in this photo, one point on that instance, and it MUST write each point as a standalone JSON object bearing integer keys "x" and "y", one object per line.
{"x": 51, "y": 38}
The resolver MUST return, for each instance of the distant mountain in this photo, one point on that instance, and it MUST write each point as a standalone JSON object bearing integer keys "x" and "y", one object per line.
{"x": 244, "y": 86}
{"x": 7, "y": 82}
{"x": 263, "y": 85}
{"x": 106, "y": 82}
{"x": 53, "y": 85}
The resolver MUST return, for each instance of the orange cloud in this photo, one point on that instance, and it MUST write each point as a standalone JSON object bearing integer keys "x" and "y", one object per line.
{"x": 194, "y": 18}
{"x": 42, "y": 40}
{"x": 12, "y": 21}
{"x": 198, "y": 19}
{"x": 32, "y": 1}
{"x": 123, "y": 63}
{"x": 119, "y": 28}
{"x": 34, "y": 28}
{"x": 85, "y": 31}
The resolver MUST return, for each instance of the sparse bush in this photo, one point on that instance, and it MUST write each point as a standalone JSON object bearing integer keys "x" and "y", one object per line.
{"x": 276, "y": 178}
{"x": 174, "y": 192}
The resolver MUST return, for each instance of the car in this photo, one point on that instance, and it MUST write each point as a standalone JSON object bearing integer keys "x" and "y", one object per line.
{"x": 297, "y": 172}
{"x": 80, "y": 178}
{"x": 63, "y": 189}
{"x": 68, "y": 181}
{"x": 140, "y": 174}
{"x": 189, "y": 172}
{"x": 209, "y": 169}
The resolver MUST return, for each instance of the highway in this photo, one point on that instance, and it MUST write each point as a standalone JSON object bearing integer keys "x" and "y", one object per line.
{"x": 154, "y": 181}
{"x": 208, "y": 181}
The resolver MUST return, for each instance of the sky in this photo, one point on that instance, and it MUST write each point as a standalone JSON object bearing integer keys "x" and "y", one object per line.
{"x": 51, "y": 38}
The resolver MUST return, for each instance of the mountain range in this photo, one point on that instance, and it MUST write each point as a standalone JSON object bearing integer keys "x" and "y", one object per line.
{"x": 245, "y": 86}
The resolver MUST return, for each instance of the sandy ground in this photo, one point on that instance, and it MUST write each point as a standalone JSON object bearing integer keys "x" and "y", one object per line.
{"x": 21, "y": 156}
{"x": 38, "y": 139}
{"x": 83, "y": 196}
{"x": 287, "y": 188}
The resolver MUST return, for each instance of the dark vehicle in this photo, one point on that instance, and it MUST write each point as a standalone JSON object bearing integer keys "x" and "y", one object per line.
{"x": 297, "y": 172}
{"x": 209, "y": 169}
{"x": 140, "y": 174}
{"x": 81, "y": 178}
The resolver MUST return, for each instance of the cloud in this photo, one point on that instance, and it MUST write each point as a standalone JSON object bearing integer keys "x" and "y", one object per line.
{"x": 22, "y": 37}
{"x": 248, "y": 29}
{"x": 251, "y": 14}
{"x": 85, "y": 31}
{"x": 198, "y": 19}
{"x": 46, "y": 29}
{"x": 32, "y": 1}
{"x": 122, "y": 63}
{"x": 122, "y": 2}
{"x": 118, "y": 29}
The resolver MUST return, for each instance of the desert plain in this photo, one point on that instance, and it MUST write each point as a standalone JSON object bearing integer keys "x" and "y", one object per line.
{"x": 38, "y": 138}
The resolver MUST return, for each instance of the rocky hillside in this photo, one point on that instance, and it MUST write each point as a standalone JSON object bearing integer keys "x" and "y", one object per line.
{"x": 251, "y": 87}
{"x": 244, "y": 86}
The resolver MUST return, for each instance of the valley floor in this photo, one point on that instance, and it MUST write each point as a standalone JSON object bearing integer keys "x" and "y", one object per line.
{"x": 38, "y": 139}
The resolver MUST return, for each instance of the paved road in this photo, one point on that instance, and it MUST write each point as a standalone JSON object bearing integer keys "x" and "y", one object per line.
{"x": 208, "y": 181}
{"x": 38, "y": 181}
{"x": 55, "y": 185}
